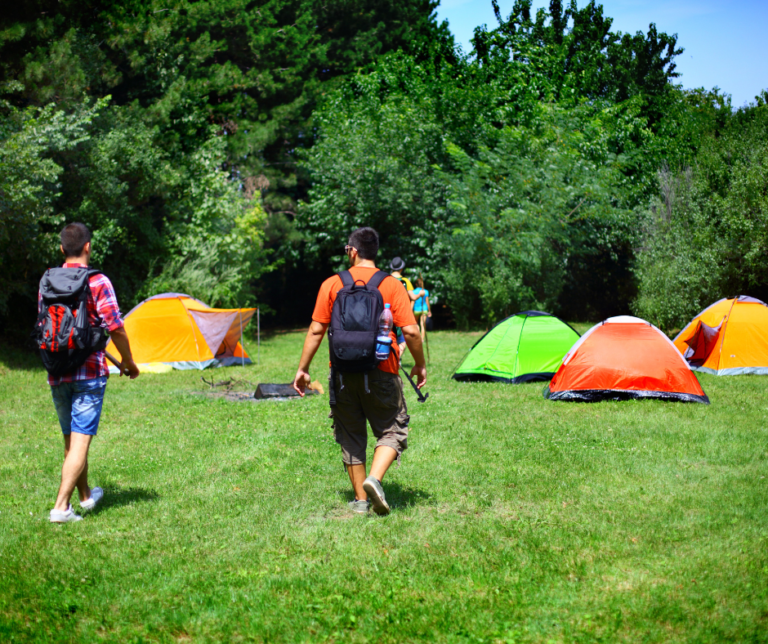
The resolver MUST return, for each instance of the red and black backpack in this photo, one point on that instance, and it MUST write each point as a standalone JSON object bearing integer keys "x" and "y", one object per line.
{"x": 63, "y": 334}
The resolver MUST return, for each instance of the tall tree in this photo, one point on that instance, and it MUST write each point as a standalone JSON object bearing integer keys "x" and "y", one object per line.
{"x": 196, "y": 88}
{"x": 252, "y": 68}
{"x": 575, "y": 55}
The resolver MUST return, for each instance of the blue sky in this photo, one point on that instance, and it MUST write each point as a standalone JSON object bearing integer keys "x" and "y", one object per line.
{"x": 725, "y": 43}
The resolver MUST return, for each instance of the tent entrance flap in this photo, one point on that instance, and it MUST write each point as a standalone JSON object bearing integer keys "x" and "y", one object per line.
{"x": 222, "y": 329}
{"x": 701, "y": 340}
{"x": 229, "y": 346}
{"x": 214, "y": 326}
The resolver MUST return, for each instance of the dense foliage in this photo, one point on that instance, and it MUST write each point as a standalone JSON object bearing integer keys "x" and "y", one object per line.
{"x": 521, "y": 216}
{"x": 171, "y": 128}
{"x": 706, "y": 235}
{"x": 99, "y": 165}
{"x": 227, "y": 148}
{"x": 510, "y": 177}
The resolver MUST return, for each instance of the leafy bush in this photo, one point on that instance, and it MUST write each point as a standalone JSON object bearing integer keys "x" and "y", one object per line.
{"x": 157, "y": 225}
{"x": 515, "y": 176}
{"x": 521, "y": 212}
{"x": 706, "y": 235}
{"x": 215, "y": 243}
{"x": 374, "y": 164}
{"x": 519, "y": 216}
{"x": 30, "y": 183}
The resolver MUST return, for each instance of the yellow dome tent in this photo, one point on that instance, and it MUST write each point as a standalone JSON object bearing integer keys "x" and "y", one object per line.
{"x": 729, "y": 338}
{"x": 177, "y": 330}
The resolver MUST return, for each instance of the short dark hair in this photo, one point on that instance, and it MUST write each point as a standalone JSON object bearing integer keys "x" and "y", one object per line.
{"x": 74, "y": 237}
{"x": 366, "y": 240}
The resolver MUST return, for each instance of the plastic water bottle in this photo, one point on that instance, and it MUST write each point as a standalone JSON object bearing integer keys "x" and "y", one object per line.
{"x": 383, "y": 341}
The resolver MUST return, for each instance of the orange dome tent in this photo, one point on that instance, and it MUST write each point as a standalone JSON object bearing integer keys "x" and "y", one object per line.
{"x": 728, "y": 338}
{"x": 624, "y": 358}
{"x": 178, "y": 330}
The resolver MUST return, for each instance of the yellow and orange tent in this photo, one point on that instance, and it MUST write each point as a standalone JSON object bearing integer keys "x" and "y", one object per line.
{"x": 178, "y": 330}
{"x": 728, "y": 338}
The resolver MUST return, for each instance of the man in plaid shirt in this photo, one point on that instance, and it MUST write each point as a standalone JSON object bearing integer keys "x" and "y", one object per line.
{"x": 79, "y": 395}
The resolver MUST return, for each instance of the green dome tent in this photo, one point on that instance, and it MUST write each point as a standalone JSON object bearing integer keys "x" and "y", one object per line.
{"x": 524, "y": 347}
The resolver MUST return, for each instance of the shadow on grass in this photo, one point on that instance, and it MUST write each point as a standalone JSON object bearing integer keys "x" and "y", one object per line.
{"x": 398, "y": 496}
{"x": 116, "y": 496}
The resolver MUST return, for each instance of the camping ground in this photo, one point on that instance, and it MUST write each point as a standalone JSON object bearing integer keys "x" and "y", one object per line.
{"x": 515, "y": 519}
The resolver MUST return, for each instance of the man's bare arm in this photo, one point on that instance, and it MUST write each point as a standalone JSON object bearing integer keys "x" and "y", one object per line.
{"x": 311, "y": 344}
{"x": 412, "y": 336}
{"x": 120, "y": 338}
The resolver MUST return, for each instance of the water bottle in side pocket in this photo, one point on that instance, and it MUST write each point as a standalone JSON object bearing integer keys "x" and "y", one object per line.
{"x": 383, "y": 341}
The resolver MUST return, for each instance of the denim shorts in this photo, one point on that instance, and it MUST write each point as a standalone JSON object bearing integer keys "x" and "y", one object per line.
{"x": 78, "y": 405}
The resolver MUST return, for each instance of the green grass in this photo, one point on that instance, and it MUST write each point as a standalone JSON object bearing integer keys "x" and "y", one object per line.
{"x": 515, "y": 519}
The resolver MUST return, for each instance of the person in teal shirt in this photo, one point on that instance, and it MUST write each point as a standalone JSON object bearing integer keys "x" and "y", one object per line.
{"x": 421, "y": 307}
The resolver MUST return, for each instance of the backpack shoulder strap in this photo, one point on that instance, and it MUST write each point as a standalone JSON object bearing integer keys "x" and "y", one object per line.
{"x": 92, "y": 272}
{"x": 346, "y": 278}
{"x": 377, "y": 279}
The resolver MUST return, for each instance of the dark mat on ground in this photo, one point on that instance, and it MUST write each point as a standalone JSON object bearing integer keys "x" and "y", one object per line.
{"x": 266, "y": 390}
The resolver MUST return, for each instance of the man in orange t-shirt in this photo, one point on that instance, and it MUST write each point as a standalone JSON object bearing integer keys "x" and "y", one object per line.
{"x": 376, "y": 396}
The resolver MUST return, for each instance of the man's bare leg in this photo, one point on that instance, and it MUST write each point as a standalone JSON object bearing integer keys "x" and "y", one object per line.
{"x": 84, "y": 492}
{"x": 383, "y": 457}
{"x": 74, "y": 472}
{"x": 356, "y": 477}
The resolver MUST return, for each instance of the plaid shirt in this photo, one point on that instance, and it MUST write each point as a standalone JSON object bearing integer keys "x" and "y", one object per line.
{"x": 103, "y": 311}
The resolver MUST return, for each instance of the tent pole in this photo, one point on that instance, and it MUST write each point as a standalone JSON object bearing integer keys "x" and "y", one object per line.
{"x": 258, "y": 337}
{"x": 242, "y": 348}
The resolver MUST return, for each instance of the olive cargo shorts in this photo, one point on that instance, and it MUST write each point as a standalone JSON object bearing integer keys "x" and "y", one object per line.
{"x": 384, "y": 408}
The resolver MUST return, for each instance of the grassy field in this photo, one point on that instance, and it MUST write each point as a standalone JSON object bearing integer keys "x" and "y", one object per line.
{"x": 515, "y": 519}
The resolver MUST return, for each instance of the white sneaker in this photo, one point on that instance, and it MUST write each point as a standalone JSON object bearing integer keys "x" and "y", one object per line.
{"x": 57, "y": 516}
{"x": 96, "y": 495}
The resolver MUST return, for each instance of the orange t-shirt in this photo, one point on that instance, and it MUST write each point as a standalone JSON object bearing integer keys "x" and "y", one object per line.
{"x": 392, "y": 292}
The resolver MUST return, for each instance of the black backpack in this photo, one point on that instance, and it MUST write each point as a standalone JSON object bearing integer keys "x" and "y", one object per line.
{"x": 355, "y": 324}
{"x": 62, "y": 331}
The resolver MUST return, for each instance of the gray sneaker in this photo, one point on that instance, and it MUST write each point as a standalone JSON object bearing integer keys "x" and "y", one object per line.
{"x": 375, "y": 493}
{"x": 359, "y": 507}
